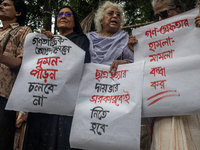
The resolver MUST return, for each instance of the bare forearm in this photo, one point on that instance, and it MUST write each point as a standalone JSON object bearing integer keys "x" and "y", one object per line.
{"x": 12, "y": 63}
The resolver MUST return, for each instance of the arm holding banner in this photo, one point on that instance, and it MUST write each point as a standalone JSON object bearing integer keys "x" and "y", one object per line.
{"x": 132, "y": 41}
{"x": 127, "y": 55}
{"x": 49, "y": 34}
{"x": 113, "y": 67}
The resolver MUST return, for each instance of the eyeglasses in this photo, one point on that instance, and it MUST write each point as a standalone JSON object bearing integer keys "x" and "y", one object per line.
{"x": 111, "y": 13}
{"x": 67, "y": 15}
{"x": 164, "y": 14}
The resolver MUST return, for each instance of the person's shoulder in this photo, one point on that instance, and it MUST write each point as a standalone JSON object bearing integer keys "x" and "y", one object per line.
{"x": 92, "y": 33}
{"x": 81, "y": 37}
{"x": 122, "y": 32}
{"x": 21, "y": 31}
{"x": 16, "y": 26}
{"x": 25, "y": 28}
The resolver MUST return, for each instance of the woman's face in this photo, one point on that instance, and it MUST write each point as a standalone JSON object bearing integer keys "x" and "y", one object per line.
{"x": 162, "y": 6}
{"x": 65, "y": 19}
{"x": 111, "y": 19}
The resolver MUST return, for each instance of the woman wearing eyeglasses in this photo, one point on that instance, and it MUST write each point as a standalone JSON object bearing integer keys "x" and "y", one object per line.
{"x": 45, "y": 131}
{"x": 68, "y": 25}
{"x": 109, "y": 44}
{"x": 175, "y": 132}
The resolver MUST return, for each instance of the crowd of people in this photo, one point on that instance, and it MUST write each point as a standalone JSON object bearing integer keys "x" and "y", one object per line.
{"x": 109, "y": 45}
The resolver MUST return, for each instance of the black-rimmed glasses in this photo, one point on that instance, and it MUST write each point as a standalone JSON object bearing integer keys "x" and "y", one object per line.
{"x": 112, "y": 13}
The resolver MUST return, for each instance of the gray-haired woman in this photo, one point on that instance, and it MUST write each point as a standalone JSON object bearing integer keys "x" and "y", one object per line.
{"x": 109, "y": 45}
{"x": 174, "y": 132}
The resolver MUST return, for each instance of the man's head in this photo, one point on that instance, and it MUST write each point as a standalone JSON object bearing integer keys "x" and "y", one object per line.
{"x": 13, "y": 11}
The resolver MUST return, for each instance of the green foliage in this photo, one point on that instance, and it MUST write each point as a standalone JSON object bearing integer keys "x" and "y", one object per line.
{"x": 190, "y": 4}
{"x": 38, "y": 15}
{"x": 83, "y": 7}
{"x": 34, "y": 15}
{"x": 136, "y": 11}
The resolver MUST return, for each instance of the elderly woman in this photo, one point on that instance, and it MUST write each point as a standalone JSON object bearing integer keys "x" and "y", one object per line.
{"x": 175, "y": 132}
{"x": 45, "y": 131}
{"x": 109, "y": 45}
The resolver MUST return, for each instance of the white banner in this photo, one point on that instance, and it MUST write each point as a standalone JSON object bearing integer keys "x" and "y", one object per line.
{"x": 49, "y": 77}
{"x": 171, "y": 49}
{"x": 108, "y": 110}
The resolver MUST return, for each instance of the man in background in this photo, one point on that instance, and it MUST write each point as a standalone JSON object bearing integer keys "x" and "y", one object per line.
{"x": 12, "y": 37}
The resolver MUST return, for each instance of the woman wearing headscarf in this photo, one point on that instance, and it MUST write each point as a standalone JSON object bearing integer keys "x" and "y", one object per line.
{"x": 109, "y": 45}
{"x": 45, "y": 131}
{"x": 174, "y": 132}
{"x": 68, "y": 25}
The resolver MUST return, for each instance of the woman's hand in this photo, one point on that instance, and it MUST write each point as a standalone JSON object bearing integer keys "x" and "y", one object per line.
{"x": 49, "y": 34}
{"x": 197, "y": 21}
{"x": 131, "y": 42}
{"x": 113, "y": 67}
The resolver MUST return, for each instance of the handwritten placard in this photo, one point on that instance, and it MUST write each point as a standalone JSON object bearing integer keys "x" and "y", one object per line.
{"x": 108, "y": 107}
{"x": 171, "y": 51}
{"x": 49, "y": 76}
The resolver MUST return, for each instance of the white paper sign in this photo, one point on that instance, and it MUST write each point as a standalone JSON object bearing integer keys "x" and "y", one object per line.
{"x": 108, "y": 110}
{"x": 49, "y": 77}
{"x": 171, "y": 49}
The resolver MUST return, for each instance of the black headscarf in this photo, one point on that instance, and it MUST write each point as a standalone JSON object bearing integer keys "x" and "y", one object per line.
{"x": 77, "y": 28}
{"x": 78, "y": 37}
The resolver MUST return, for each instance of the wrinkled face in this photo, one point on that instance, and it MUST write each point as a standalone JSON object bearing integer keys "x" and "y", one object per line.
{"x": 65, "y": 19}
{"x": 111, "y": 20}
{"x": 162, "y": 6}
{"x": 7, "y": 11}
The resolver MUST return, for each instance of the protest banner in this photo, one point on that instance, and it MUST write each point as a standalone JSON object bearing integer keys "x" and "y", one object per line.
{"x": 171, "y": 49}
{"x": 108, "y": 109}
{"x": 49, "y": 77}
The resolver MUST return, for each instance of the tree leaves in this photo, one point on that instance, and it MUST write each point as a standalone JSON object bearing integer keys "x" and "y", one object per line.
{"x": 136, "y": 11}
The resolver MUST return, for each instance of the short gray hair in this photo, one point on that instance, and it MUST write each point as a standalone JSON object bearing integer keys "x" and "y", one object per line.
{"x": 172, "y": 4}
{"x": 100, "y": 13}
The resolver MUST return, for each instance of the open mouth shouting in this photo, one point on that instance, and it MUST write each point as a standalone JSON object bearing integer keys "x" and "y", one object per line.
{"x": 114, "y": 22}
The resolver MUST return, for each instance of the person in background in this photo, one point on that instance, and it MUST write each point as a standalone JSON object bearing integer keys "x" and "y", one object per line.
{"x": 12, "y": 37}
{"x": 46, "y": 131}
{"x": 109, "y": 45}
{"x": 174, "y": 132}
